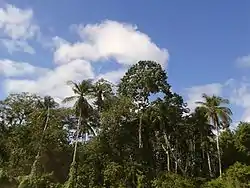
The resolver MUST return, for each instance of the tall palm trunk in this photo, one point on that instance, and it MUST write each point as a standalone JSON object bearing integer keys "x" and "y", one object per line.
{"x": 218, "y": 144}
{"x": 173, "y": 155}
{"x": 72, "y": 180}
{"x": 47, "y": 120}
{"x": 176, "y": 167}
{"x": 209, "y": 164}
{"x": 77, "y": 136}
{"x": 140, "y": 132}
{"x": 35, "y": 163}
{"x": 168, "y": 159}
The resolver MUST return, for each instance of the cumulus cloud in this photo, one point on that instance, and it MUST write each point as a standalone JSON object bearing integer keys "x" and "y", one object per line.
{"x": 53, "y": 82}
{"x": 17, "y": 27}
{"x": 194, "y": 93}
{"x": 110, "y": 39}
{"x": 17, "y": 45}
{"x": 241, "y": 97}
{"x": 237, "y": 91}
{"x": 121, "y": 42}
{"x": 113, "y": 76}
{"x": 10, "y": 68}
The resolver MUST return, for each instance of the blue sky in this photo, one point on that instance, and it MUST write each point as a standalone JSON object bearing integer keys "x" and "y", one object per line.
{"x": 204, "y": 45}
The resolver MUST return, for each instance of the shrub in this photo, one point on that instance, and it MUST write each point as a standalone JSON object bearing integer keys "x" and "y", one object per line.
{"x": 237, "y": 176}
{"x": 171, "y": 180}
{"x": 44, "y": 181}
{"x": 6, "y": 180}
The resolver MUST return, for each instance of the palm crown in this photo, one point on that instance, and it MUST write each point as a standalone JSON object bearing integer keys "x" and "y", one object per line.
{"x": 215, "y": 110}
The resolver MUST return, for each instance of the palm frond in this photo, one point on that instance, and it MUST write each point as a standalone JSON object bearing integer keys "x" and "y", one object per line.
{"x": 205, "y": 96}
{"x": 74, "y": 85}
{"x": 226, "y": 110}
{"x": 70, "y": 82}
{"x": 91, "y": 130}
{"x": 86, "y": 87}
{"x": 222, "y": 100}
{"x": 200, "y": 103}
{"x": 70, "y": 99}
{"x": 225, "y": 117}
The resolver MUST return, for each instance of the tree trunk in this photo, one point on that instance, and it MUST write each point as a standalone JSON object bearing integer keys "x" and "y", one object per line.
{"x": 174, "y": 156}
{"x": 72, "y": 180}
{"x": 140, "y": 133}
{"x": 86, "y": 137}
{"x": 192, "y": 163}
{"x": 35, "y": 165}
{"x": 209, "y": 164}
{"x": 216, "y": 122}
{"x": 47, "y": 120}
{"x": 77, "y": 135}
{"x": 218, "y": 150}
{"x": 168, "y": 160}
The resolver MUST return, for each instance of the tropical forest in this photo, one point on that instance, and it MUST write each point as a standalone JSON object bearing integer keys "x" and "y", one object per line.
{"x": 137, "y": 133}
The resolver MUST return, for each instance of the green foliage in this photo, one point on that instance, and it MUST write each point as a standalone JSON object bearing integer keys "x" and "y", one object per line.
{"x": 143, "y": 79}
{"x": 5, "y": 180}
{"x": 72, "y": 180}
{"x": 38, "y": 150}
{"x": 237, "y": 176}
{"x": 170, "y": 180}
{"x": 43, "y": 181}
{"x": 114, "y": 176}
{"x": 229, "y": 149}
{"x": 242, "y": 140}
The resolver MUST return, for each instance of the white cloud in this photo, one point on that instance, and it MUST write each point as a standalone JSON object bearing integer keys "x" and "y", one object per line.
{"x": 113, "y": 76}
{"x": 194, "y": 93}
{"x": 107, "y": 40}
{"x": 244, "y": 61}
{"x": 241, "y": 97}
{"x": 68, "y": 52}
{"x": 17, "y": 45}
{"x": 10, "y": 68}
{"x": 237, "y": 91}
{"x": 110, "y": 39}
{"x": 53, "y": 82}
{"x": 16, "y": 27}
{"x": 17, "y": 23}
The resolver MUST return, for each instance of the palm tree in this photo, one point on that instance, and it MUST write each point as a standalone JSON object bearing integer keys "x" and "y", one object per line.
{"x": 82, "y": 91}
{"x": 158, "y": 116}
{"x": 103, "y": 93}
{"x": 43, "y": 107}
{"x": 82, "y": 108}
{"x": 218, "y": 115}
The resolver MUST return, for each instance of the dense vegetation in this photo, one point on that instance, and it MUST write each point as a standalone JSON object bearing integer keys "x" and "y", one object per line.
{"x": 136, "y": 134}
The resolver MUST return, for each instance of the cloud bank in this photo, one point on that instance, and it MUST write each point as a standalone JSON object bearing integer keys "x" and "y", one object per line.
{"x": 97, "y": 43}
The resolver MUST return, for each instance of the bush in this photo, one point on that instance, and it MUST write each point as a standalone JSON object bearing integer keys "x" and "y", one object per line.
{"x": 114, "y": 176}
{"x": 171, "y": 180}
{"x": 6, "y": 180}
{"x": 44, "y": 181}
{"x": 237, "y": 176}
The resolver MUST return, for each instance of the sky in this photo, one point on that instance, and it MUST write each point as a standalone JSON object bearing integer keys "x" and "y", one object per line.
{"x": 204, "y": 46}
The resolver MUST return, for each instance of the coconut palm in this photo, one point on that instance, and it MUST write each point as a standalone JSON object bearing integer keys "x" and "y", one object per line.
{"x": 162, "y": 120}
{"x": 82, "y": 91}
{"x": 103, "y": 93}
{"x": 43, "y": 106}
{"x": 218, "y": 115}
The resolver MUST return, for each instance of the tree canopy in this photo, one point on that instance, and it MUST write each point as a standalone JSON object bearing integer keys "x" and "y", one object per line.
{"x": 136, "y": 134}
